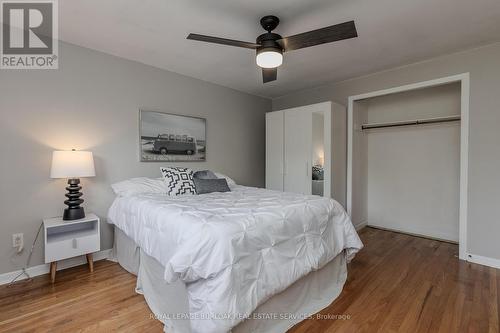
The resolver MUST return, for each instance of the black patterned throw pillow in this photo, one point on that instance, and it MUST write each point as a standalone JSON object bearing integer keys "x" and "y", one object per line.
{"x": 179, "y": 181}
{"x": 317, "y": 172}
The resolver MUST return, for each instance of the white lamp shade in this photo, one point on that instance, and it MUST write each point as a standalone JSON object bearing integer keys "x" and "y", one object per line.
{"x": 72, "y": 164}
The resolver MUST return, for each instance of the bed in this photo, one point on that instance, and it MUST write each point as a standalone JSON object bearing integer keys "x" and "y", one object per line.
{"x": 249, "y": 260}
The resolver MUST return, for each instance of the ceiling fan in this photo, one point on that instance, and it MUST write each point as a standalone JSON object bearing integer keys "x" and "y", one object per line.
{"x": 270, "y": 46}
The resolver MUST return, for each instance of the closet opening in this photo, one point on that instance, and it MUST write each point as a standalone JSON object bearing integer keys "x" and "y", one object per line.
{"x": 407, "y": 159}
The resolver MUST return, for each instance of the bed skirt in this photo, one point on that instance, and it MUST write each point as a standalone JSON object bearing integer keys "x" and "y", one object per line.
{"x": 169, "y": 302}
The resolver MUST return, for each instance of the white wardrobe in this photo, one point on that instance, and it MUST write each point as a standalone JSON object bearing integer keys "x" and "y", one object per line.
{"x": 296, "y": 140}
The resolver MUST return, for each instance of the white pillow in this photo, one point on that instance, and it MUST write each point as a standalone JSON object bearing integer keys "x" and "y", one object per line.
{"x": 230, "y": 181}
{"x": 179, "y": 181}
{"x": 139, "y": 185}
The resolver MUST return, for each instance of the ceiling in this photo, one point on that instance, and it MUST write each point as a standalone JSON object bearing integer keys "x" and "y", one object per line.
{"x": 391, "y": 33}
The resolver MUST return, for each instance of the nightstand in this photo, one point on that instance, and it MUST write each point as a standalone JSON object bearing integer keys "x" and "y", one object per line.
{"x": 68, "y": 239}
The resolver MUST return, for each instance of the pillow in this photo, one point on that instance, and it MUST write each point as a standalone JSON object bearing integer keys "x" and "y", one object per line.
{"x": 204, "y": 174}
{"x": 179, "y": 181}
{"x": 139, "y": 185}
{"x": 230, "y": 182}
{"x": 204, "y": 186}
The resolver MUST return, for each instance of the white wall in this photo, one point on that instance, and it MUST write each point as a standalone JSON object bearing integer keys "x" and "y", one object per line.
{"x": 414, "y": 171}
{"x": 339, "y": 153}
{"x": 359, "y": 205}
{"x": 92, "y": 102}
{"x": 483, "y": 64}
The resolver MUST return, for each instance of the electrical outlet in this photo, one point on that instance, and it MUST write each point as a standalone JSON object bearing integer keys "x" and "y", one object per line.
{"x": 18, "y": 241}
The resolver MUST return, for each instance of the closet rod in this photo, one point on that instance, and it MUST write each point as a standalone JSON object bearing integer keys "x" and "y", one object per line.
{"x": 411, "y": 122}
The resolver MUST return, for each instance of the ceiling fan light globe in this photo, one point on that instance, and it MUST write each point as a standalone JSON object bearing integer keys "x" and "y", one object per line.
{"x": 269, "y": 59}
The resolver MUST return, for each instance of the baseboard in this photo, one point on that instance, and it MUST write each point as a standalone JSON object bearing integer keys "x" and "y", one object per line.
{"x": 485, "y": 261}
{"x": 63, "y": 264}
{"x": 361, "y": 225}
{"x": 415, "y": 234}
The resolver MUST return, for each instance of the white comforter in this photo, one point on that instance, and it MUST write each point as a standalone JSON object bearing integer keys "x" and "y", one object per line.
{"x": 235, "y": 250}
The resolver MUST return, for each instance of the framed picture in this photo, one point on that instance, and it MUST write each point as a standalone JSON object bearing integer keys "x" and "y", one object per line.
{"x": 166, "y": 137}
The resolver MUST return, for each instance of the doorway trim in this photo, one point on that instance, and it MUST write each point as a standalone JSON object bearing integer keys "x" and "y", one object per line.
{"x": 464, "y": 80}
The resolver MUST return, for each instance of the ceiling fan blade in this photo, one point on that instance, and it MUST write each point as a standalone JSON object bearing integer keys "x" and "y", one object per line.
{"x": 269, "y": 74}
{"x": 223, "y": 41}
{"x": 329, "y": 34}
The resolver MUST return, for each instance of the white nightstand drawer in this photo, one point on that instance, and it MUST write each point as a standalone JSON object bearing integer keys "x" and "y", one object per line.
{"x": 71, "y": 247}
{"x": 67, "y": 239}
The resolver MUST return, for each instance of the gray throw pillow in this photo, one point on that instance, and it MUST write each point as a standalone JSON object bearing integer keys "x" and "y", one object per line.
{"x": 204, "y": 174}
{"x": 204, "y": 186}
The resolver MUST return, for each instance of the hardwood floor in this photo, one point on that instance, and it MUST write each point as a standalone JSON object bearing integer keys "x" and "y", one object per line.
{"x": 401, "y": 283}
{"x": 397, "y": 283}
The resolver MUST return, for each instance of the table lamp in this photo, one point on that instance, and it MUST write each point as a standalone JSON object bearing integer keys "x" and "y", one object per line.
{"x": 72, "y": 165}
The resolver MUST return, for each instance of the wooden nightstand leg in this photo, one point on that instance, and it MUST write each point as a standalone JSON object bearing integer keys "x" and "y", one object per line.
{"x": 90, "y": 261}
{"x": 53, "y": 269}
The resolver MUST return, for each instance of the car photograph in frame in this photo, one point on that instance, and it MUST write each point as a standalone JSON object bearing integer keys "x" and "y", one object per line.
{"x": 166, "y": 137}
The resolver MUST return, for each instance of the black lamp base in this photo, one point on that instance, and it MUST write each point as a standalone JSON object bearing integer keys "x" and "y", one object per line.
{"x": 74, "y": 211}
{"x": 73, "y": 214}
